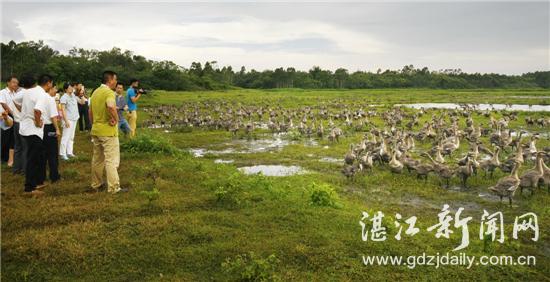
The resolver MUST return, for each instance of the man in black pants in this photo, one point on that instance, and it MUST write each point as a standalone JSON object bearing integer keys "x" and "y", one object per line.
{"x": 51, "y": 134}
{"x": 33, "y": 103}
{"x": 84, "y": 120}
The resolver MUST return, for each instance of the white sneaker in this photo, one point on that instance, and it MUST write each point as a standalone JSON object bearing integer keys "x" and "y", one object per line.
{"x": 63, "y": 157}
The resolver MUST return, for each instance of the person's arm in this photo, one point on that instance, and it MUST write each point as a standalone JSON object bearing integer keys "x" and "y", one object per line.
{"x": 135, "y": 97}
{"x": 53, "y": 116}
{"x": 37, "y": 118}
{"x": 111, "y": 108}
{"x": 4, "y": 103}
{"x": 113, "y": 113}
{"x": 82, "y": 100}
{"x": 55, "y": 121}
{"x": 7, "y": 120}
{"x": 91, "y": 115}
{"x": 64, "y": 116}
{"x": 6, "y": 108}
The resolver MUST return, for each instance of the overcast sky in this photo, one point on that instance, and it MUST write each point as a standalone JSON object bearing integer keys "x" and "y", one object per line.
{"x": 507, "y": 37}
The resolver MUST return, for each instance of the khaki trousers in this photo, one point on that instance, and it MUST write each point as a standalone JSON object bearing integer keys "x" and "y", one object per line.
{"x": 132, "y": 121}
{"x": 105, "y": 158}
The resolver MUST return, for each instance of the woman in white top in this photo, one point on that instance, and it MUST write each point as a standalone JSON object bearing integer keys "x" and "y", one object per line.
{"x": 69, "y": 108}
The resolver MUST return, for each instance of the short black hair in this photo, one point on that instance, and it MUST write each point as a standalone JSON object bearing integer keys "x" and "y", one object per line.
{"x": 107, "y": 75}
{"x": 73, "y": 84}
{"x": 27, "y": 81}
{"x": 10, "y": 78}
{"x": 66, "y": 85}
{"x": 119, "y": 83}
{"x": 43, "y": 79}
{"x": 133, "y": 80}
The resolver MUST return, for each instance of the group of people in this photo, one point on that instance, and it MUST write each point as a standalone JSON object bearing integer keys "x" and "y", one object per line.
{"x": 38, "y": 124}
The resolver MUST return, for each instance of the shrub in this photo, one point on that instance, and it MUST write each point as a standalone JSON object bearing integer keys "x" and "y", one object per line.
{"x": 323, "y": 195}
{"x": 231, "y": 192}
{"x": 146, "y": 143}
{"x": 150, "y": 195}
{"x": 251, "y": 268}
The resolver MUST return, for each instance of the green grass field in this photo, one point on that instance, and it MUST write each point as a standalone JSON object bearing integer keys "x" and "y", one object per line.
{"x": 191, "y": 219}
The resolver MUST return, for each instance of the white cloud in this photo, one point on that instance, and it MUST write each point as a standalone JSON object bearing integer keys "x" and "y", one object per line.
{"x": 330, "y": 36}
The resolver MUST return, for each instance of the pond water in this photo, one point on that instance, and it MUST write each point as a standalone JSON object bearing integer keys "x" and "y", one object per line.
{"x": 220, "y": 161}
{"x": 514, "y": 107}
{"x": 244, "y": 146}
{"x": 331, "y": 160}
{"x": 531, "y": 97}
{"x": 273, "y": 170}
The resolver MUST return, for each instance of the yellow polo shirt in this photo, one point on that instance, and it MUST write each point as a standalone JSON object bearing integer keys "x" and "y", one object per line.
{"x": 98, "y": 105}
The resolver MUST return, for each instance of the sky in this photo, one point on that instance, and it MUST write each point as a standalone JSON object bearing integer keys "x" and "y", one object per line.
{"x": 485, "y": 37}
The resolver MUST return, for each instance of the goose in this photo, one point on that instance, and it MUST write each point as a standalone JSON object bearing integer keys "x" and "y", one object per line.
{"x": 410, "y": 163}
{"x": 465, "y": 171}
{"x": 320, "y": 130}
{"x": 438, "y": 156}
{"x": 395, "y": 165}
{"x": 491, "y": 164}
{"x": 507, "y": 186}
{"x": 422, "y": 170}
{"x": 366, "y": 161}
{"x": 509, "y": 163}
{"x": 350, "y": 156}
{"x": 545, "y": 175}
{"x": 442, "y": 170}
{"x": 530, "y": 179}
{"x": 532, "y": 146}
{"x": 349, "y": 171}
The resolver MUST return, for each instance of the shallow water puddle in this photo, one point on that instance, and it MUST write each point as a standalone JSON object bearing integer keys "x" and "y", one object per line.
{"x": 514, "y": 107}
{"x": 220, "y": 161}
{"x": 273, "y": 170}
{"x": 243, "y": 146}
{"x": 331, "y": 160}
{"x": 200, "y": 152}
{"x": 489, "y": 197}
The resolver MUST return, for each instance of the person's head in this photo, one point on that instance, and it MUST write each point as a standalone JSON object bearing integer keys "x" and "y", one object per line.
{"x": 119, "y": 88}
{"x": 109, "y": 79}
{"x": 53, "y": 90}
{"x": 27, "y": 81}
{"x": 134, "y": 83}
{"x": 67, "y": 88}
{"x": 12, "y": 83}
{"x": 45, "y": 81}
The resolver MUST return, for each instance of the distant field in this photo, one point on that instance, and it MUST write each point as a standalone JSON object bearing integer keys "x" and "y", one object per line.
{"x": 297, "y": 97}
{"x": 199, "y": 215}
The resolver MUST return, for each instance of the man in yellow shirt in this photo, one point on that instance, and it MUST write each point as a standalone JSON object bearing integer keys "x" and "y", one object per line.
{"x": 104, "y": 119}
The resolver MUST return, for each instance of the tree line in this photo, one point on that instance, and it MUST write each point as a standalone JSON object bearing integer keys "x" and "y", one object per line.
{"x": 85, "y": 66}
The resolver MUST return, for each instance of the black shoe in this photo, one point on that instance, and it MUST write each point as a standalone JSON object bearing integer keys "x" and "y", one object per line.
{"x": 121, "y": 190}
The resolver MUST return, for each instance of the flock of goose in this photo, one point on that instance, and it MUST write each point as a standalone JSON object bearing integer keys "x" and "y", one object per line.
{"x": 395, "y": 148}
{"x": 392, "y": 144}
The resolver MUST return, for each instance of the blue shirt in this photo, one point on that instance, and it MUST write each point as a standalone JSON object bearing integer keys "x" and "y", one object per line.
{"x": 131, "y": 93}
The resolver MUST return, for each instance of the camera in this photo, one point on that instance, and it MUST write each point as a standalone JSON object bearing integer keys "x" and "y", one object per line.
{"x": 141, "y": 91}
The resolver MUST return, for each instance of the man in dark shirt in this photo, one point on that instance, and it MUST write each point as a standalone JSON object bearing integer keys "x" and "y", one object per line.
{"x": 121, "y": 107}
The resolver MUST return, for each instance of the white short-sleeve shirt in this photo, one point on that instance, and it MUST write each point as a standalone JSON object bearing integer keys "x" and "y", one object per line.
{"x": 30, "y": 100}
{"x": 7, "y": 96}
{"x": 71, "y": 106}
{"x": 51, "y": 110}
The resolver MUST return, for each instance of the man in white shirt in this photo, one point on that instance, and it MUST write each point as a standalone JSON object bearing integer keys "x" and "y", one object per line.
{"x": 51, "y": 134}
{"x": 33, "y": 110}
{"x": 8, "y": 135}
